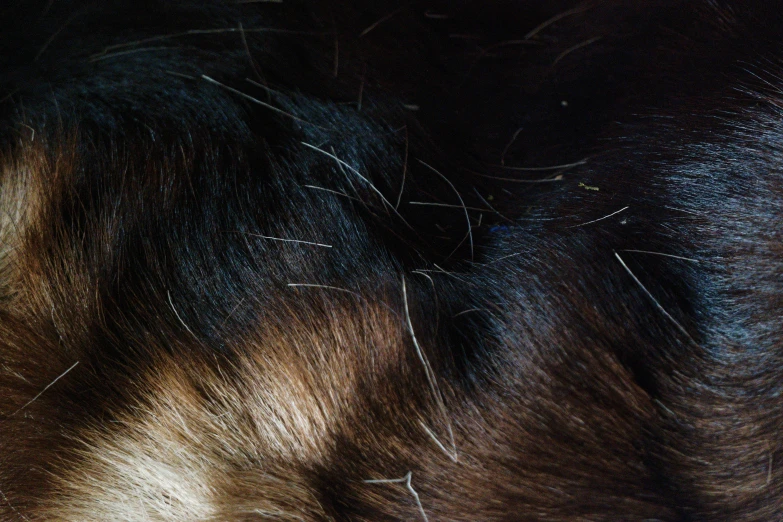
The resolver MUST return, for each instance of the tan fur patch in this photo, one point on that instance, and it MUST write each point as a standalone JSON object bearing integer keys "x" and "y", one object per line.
{"x": 21, "y": 194}
{"x": 218, "y": 440}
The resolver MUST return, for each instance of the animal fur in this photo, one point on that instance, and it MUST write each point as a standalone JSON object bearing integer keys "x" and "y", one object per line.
{"x": 376, "y": 261}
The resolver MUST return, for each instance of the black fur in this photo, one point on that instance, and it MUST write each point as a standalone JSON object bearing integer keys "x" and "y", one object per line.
{"x": 606, "y": 334}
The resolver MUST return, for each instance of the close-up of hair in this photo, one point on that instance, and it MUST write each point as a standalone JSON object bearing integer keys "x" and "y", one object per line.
{"x": 442, "y": 260}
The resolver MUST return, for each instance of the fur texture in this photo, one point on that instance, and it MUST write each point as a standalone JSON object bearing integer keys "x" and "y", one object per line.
{"x": 426, "y": 261}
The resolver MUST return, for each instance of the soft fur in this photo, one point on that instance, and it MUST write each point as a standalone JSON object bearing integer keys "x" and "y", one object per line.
{"x": 465, "y": 260}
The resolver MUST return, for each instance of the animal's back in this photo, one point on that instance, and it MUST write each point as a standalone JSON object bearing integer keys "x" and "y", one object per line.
{"x": 437, "y": 261}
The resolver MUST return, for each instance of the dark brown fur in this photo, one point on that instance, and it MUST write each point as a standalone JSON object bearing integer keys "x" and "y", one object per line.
{"x": 318, "y": 262}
